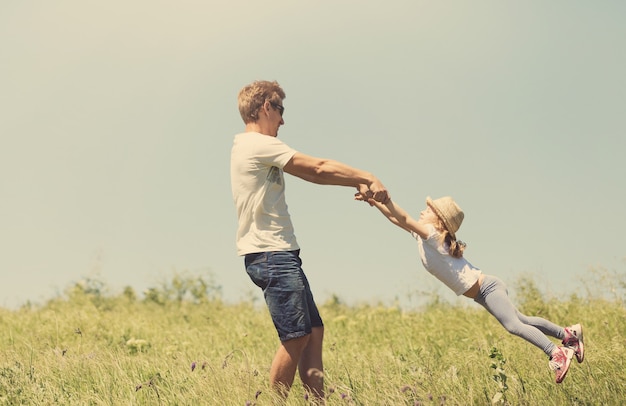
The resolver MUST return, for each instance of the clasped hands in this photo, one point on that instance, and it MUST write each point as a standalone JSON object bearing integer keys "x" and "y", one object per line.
{"x": 376, "y": 191}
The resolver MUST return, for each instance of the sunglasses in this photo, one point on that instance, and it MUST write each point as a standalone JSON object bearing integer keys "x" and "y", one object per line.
{"x": 278, "y": 107}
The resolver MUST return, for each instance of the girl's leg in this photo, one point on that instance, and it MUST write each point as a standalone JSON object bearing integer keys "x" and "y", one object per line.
{"x": 493, "y": 297}
{"x": 545, "y": 326}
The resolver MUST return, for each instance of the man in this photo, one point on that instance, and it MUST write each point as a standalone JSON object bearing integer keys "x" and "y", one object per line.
{"x": 265, "y": 234}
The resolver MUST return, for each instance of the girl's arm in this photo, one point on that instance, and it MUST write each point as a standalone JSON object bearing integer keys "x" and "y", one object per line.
{"x": 397, "y": 215}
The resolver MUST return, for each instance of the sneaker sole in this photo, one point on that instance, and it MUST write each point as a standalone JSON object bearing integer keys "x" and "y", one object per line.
{"x": 580, "y": 355}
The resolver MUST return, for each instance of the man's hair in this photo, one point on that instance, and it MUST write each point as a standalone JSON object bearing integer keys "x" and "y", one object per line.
{"x": 253, "y": 96}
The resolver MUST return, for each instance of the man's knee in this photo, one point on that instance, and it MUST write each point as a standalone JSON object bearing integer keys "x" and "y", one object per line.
{"x": 295, "y": 346}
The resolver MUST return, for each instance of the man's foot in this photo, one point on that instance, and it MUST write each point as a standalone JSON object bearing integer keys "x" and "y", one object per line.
{"x": 559, "y": 362}
{"x": 574, "y": 340}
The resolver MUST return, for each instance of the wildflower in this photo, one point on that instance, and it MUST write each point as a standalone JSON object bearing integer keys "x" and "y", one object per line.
{"x": 193, "y": 366}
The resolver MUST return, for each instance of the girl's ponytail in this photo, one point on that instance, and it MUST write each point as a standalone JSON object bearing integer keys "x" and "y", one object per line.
{"x": 456, "y": 247}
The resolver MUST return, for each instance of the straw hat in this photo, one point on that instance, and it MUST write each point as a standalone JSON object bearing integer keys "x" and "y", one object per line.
{"x": 448, "y": 211}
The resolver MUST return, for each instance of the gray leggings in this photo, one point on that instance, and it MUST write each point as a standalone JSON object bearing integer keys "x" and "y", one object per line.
{"x": 494, "y": 297}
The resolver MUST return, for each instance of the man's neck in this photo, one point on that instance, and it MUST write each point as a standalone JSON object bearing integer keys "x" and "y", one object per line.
{"x": 257, "y": 128}
{"x": 253, "y": 128}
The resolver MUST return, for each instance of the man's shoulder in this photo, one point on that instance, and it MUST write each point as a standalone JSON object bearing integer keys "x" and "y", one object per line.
{"x": 258, "y": 138}
{"x": 264, "y": 148}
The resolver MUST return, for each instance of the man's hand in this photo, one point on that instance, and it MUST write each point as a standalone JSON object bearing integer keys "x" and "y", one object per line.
{"x": 366, "y": 194}
{"x": 379, "y": 191}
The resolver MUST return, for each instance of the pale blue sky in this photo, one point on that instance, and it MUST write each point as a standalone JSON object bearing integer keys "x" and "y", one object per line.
{"x": 118, "y": 117}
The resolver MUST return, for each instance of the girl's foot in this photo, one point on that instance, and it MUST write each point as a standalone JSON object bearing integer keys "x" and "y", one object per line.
{"x": 559, "y": 362}
{"x": 574, "y": 340}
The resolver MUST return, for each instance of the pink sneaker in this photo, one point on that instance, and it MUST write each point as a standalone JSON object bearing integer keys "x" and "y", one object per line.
{"x": 574, "y": 340}
{"x": 559, "y": 362}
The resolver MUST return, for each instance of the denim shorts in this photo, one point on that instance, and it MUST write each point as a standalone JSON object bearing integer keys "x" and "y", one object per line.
{"x": 287, "y": 293}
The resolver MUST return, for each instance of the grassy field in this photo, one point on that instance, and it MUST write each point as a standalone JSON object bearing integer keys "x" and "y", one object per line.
{"x": 181, "y": 345}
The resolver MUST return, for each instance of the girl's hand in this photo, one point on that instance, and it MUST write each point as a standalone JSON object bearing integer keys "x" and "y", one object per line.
{"x": 360, "y": 197}
{"x": 364, "y": 191}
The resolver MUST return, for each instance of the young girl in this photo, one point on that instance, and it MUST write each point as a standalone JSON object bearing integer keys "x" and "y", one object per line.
{"x": 442, "y": 256}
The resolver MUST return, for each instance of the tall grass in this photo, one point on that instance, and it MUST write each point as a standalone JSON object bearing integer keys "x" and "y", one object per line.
{"x": 181, "y": 345}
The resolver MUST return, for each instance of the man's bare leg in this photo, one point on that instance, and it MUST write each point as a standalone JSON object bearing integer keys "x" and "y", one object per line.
{"x": 311, "y": 367}
{"x": 285, "y": 363}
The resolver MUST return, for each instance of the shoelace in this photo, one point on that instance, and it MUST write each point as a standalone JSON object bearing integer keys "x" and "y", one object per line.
{"x": 555, "y": 365}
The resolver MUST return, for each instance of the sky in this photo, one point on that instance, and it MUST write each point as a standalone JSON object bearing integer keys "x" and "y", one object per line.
{"x": 117, "y": 119}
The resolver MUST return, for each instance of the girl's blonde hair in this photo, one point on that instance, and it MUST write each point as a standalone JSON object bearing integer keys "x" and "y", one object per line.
{"x": 456, "y": 248}
{"x": 252, "y": 97}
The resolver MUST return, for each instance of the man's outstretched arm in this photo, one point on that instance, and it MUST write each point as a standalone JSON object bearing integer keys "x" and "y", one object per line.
{"x": 330, "y": 172}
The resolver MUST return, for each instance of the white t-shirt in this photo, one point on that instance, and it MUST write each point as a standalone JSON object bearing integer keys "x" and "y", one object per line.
{"x": 456, "y": 273}
{"x": 258, "y": 187}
